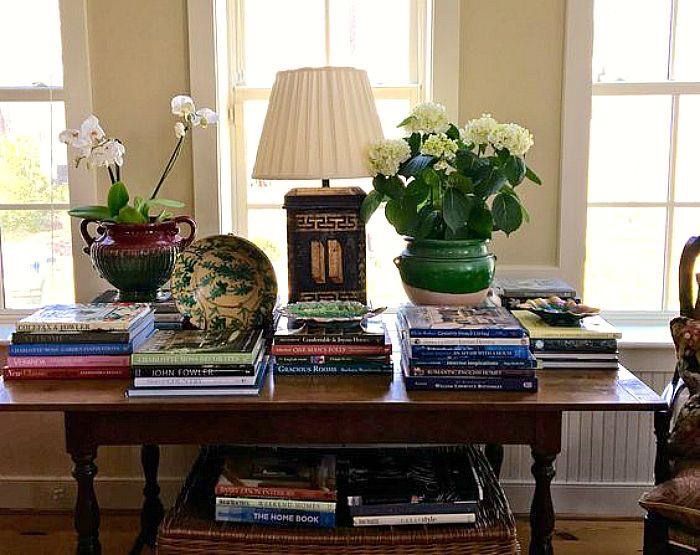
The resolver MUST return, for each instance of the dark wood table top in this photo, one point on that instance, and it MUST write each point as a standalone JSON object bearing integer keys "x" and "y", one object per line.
{"x": 559, "y": 390}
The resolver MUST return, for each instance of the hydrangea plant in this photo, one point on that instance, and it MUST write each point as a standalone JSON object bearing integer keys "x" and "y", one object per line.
{"x": 95, "y": 149}
{"x": 443, "y": 182}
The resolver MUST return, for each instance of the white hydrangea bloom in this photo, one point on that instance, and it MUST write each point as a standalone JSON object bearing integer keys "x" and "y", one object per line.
{"x": 428, "y": 117}
{"x": 385, "y": 157}
{"x": 440, "y": 146}
{"x": 445, "y": 166}
{"x": 512, "y": 136}
{"x": 477, "y": 131}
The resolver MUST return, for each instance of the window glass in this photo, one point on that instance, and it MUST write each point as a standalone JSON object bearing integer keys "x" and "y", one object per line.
{"x": 686, "y": 65}
{"x": 686, "y": 224}
{"x": 687, "y": 188}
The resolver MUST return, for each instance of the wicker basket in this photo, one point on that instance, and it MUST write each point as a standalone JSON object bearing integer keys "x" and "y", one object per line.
{"x": 189, "y": 528}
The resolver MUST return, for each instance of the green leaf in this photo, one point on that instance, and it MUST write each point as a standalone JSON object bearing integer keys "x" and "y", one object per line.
{"x": 507, "y": 213}
{"x": 414, "y": 165}
{"x": 431, "y": 177}
{"x": 414, "y": 142}
{"x": 418, "y": 190}
{"x": 480, "y": 222}
{"x": 491, "y": 185}
{"x": 532, "y": 176}
{"x": 466, "y": 161}
{"x": 452, "y": 132}
{"x": 168, "y": 203}
{"x": 456, "y": 207}
{"x": 514, "y": 170}
{"x": 460, "y": 233}
{"x": 93, "y": 212}
{"x": 461, "y": 182}
{"x": 391, "y": 187}
{"x": 402, "y": 214}
{"x": 370, "y": 205}
{"x": 129, "y": 215}
{"x": 406, "y": 121}
{"x": 117, "y": 198}
{"x": 427, "y": 223}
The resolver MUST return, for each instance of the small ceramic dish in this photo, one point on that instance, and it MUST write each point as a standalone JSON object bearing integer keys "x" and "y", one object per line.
{"x": 558, "y": 312}
{"x": 329, "y": 312}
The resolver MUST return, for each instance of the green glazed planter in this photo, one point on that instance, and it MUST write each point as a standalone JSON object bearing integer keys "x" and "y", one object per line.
{"x": 442, "y": 272}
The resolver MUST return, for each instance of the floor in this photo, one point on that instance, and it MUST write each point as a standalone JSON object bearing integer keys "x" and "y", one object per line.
{"x": 52, "y": 534}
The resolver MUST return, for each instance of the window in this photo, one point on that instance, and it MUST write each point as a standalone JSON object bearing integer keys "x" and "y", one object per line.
{"x": 643, "y": 191}
{"x": 271, "y": 35}
{"x": 36, "y": 264}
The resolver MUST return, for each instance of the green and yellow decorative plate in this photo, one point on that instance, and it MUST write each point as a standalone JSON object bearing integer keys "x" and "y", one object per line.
{"x": 224, "y": 282}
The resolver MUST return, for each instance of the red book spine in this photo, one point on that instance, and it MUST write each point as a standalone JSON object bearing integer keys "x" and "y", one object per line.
{"x": 224, "y": 490}
{"x": 122, "y": 373}
{"x": 87, "y": 361}
{"x": 328, "y": 349}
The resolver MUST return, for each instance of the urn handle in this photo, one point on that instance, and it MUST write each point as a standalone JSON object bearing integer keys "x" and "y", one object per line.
{"x": 193, "y": 229}
{"x": 85, "y": 232}
{"x": 397, "y": 261}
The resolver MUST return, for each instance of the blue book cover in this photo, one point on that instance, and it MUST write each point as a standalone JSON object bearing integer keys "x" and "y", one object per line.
{"x": 275, "y": 517}
{"x": 78, "y": 349}
{"x": 458, "y": 321}
{"x": 491, "y": 352}
{"x": 439, "y": 383}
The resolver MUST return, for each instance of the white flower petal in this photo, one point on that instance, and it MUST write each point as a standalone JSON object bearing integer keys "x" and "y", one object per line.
{"x": 207, "y": 117}
{"x": 182, "y": 105}
{"x": 180, "y": 129}
{"x": 68, "y": 136}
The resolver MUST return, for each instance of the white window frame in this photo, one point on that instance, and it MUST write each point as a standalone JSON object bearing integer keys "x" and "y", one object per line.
{"x": 224, "y": 208}
{"x": 578, "y": 92}
{"x": 77, "y": 99}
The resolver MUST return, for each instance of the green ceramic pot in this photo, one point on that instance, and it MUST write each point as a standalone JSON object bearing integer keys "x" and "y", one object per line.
{"x": 442, "y": 272}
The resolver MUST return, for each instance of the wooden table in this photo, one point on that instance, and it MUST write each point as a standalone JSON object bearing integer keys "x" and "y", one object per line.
{"x": 318, "y": 411}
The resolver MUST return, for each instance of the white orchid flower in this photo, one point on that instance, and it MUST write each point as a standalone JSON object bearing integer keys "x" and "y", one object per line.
{"x": 180, "y": 130}
{"x": 69, "y": 136}
{"x": 109, "y": 152}
{"x": 182, "y": 105}
{"x": 206, "y": 116}
{"x": 90, "y": 130}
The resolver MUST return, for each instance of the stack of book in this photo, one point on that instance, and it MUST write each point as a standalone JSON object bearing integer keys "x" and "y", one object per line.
{"x": 167, "y": 316}
{"x": 592, "y": 345}
{"x": 78, "y": 341}
{"x": 458, "y": 348}
{"x": 413, "y": 486}
{"x": 514, "y": 291}
{"x": 277, "y": 489}
{"x": 332, "y": 350}
{"x": 193, "y": 362}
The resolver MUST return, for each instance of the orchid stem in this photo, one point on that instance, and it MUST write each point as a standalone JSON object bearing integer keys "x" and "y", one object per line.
{"x": 169, "y": 166}
{"x": 111, "y": 175}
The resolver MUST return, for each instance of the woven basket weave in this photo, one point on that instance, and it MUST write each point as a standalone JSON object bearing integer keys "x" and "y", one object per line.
{"x": 189, "y": 528}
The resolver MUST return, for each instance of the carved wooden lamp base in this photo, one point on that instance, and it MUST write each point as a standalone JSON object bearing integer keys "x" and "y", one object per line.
{"x": 326, "y": 244}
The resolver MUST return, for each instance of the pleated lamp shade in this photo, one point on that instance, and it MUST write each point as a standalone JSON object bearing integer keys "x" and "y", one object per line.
{"x": 319, "y": 122}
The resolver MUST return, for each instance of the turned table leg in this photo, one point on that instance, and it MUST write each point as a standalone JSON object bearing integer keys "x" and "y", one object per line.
{"x": 152, "y": 510}
{"x": 87, "y": 511}
{"x": 542, "y": 511}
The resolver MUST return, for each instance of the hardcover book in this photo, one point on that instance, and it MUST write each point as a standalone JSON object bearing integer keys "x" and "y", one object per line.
{"x": 81, "y": 317}
{"x": 195, "y": 347}
{"x": 533, "y": 288}
{"x": 333, "y": 359}
{"x": 332, "y": 369}
{"x": 372, "y": 334}
{"x": 442, "y": 383}
{"x": 220, "y": 370}
{"x": 275, "y": 517}
{"x": 330, "y": 349}
{"x": 94, "y": 361}
{"x": 456, "y": 321}
{"x": 144, "y": 326}
{"x": 201, "y": 380}
{"x": 469, "y": 352}
{"x": 594, "y": 327}
{"x": 122, "y": 373}
{"x": 268, "y": 474}
{"x": 575, "y": 345}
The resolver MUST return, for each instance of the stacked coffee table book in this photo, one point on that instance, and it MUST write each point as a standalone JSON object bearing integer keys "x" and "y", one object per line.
{"x": 195, "y": 363}
{"x": 78, "y": 341}
{"x": 167, "y": 316}
{"x": 470, "y": 349}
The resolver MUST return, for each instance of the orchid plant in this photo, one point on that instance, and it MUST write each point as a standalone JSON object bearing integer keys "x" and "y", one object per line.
{"x": 96, "y": 149}
{"x": 443, "y": 182}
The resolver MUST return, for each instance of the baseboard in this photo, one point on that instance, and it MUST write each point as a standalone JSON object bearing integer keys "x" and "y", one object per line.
{"x": 56, "y": 493}
{"x": 600, "y": 499}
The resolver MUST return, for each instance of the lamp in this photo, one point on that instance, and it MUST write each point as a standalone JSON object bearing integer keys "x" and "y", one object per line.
{"x": 319, "y": 122}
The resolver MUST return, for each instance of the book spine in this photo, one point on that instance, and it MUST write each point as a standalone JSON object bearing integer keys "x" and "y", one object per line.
{"x": 473, "y": 372}
{"x": 387, "y": 509}
{"x": 195, "y": 382}
{"x": 466, "y": 333}
{"x": 286, "y": 504}
{"x": 192, "y": 372}
{"x": 93, "y": 361}
{"x": 326, "y": 349}
{"x": 223, "y": 490}
{"x": 471, "y": 351}
{"x": 468, "y": 341}
{"x": 95, "y": 337}
{"x": 407, "y": 520}
{"x": 333, "y": 359}
{"x": 332, "y": 369}
{"x": 575, "y": 345}
{"x": 275, "y": 517}
{"x": 123, "y": 373}
{"x": 68, "y": 349}
{"x": 471, "y": 384}
{"x": 191, "y": 359}
{"x": 329, "y": 340}
{"x": 461, "y": 363}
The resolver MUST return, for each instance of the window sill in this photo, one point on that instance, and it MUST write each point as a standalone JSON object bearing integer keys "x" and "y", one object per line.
{"x": 645, "y": 336}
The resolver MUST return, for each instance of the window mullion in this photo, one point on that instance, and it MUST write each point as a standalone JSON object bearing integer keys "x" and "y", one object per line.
{"x": 672, "y": 41}
{"x": 670, "y": 209}
{"x": 327, "y": 30}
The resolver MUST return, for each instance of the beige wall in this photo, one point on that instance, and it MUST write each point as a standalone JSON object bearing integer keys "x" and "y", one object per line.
{"x": 511, "y": 65}
{"x": 511, "y": 58}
